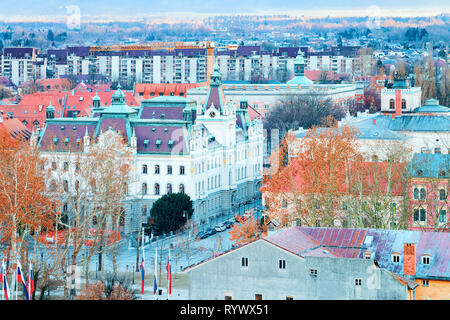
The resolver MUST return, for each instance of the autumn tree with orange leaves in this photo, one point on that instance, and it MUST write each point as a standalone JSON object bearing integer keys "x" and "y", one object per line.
{"x": 312, "y": 177}
{"x": 91, "y": 182}
{"x": 247, "y": 229}
{"x": 322, "y": 179}
{"x": 25, "y": 207}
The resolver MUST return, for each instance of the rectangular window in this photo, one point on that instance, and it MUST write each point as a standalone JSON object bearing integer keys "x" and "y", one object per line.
{"x": 245, "y": 262}
{"x": 425, "y": 283}
{"x": 443, "y": 216}
{"x": 181, "y": 170}
{"x": 425, "y": 260}
{"x": 313, "y": 272}
{"x": 258, "y": 296}
{"x": 282, "y": 264}
{"x": 289, "y": 298}
{"x": 169, "y": 169}
{"x": 395, "y": 258}
{"x": 358, "y": 282}
{"x": 66, "y": 166}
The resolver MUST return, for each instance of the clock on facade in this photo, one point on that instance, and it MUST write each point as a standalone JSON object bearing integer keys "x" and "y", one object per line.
{"x": 212, "y": 114}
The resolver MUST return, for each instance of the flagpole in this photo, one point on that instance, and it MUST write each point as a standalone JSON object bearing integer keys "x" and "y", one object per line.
{"x": 155, "y": 273}
{"x": 168, "y": 276}
{"x": 143, "y": 262}
{"x": 15, "y": 281}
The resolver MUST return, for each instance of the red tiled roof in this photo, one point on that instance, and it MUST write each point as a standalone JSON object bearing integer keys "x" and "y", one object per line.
{"x": 167, "y": 89}
{"x": 16, "y": 128}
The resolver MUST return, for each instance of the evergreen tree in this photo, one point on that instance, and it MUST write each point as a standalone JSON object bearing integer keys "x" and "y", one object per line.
{"x": 170, "y": 212}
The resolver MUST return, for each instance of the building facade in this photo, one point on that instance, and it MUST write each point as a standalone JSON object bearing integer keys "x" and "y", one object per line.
{"x": 289, "y": 265}
{"x": 212, "y": 152}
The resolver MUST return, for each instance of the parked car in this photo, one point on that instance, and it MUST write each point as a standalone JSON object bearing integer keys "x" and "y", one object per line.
{"x": 210, "y": 231}
{"x": 201, "y": 235}
{"x": 228, "y": 224}
{"x": 220, "y": 227}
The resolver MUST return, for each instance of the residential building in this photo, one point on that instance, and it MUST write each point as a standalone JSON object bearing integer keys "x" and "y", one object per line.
{"x": 328, "y": 263}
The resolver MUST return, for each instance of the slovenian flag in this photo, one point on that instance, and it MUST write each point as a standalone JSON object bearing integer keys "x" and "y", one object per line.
{"x": 31, "y": 283}
{"x": 169, "y": 276}
{"x": 5, "y": 282}
{"x": 21, "y": 279}
{"x": 155, "y": 287}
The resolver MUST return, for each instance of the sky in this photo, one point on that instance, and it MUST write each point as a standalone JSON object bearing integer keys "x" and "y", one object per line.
{"x": 31, "y": 9}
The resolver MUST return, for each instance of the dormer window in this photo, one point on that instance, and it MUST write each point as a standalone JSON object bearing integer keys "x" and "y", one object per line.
{"x": 170, "y": 144}
{"x": 146, "y": 142}
{"x": 426, "y": 259}
{"x": 158, "y": 144}
{"x": 367, "y": 255}
{"x": 55, "y": 140}
{"x": 395, "y": 258}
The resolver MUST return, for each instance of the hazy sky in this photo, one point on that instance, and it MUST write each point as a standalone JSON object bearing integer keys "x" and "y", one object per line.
{"x": 129, "y": 8}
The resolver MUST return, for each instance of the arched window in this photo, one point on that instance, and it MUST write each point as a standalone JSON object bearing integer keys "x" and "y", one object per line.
{"x": 442, "y": 194}
{"x": 391, "y": 104}
{"x": 144, "y": 188}
{"x": 156, "y": 188}
{"x": 169, "y": 188}
{"x": 181, "y": 188}
{"x": 416, "y": 193}
{"x": 144, "y": 169}
{"x": 403, "y": 104}
{"x": 157, "y": 169}
{"x": 423, "y": 193}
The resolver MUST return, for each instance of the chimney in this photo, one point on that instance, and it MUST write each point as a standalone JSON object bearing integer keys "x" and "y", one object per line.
{"x": 409, "y": 259}
{"x": 398, "y": 103}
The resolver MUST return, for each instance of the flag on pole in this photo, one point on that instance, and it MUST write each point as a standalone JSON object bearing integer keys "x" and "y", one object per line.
{"x": 169, "y": 276}
{"x": 31, "y": 283}
{"x": 21, "y": 279}
{"x": 5, "y": 282}
{"x": 142, "y": 264}
{"x": 1, "y": 271}
{"x": 155, "y": 286}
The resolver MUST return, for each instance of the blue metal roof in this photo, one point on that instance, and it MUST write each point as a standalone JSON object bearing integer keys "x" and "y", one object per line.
{"x": 430, "y": 165}
{"x": 414, "y": 122}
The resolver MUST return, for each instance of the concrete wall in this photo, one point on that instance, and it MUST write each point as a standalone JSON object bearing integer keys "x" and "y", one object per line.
{"x": 335, "y": 278}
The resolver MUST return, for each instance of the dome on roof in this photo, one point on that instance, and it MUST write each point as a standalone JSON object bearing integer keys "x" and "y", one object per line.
{"x": 50, "y": 107}
{"x": 118, "y": 93}
{"x": 431, "y": 106}
{"x": 431, "y": 102}
{"x": 96, "y": 97}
